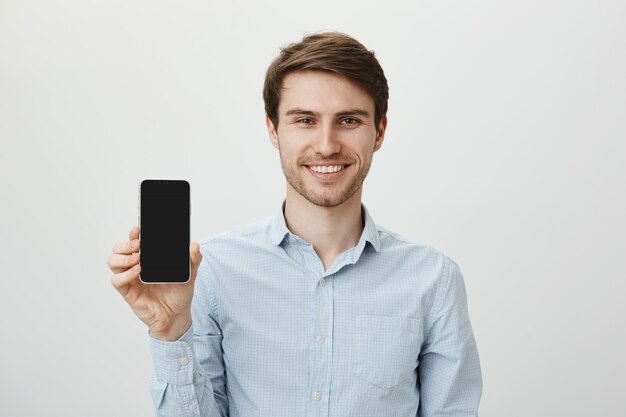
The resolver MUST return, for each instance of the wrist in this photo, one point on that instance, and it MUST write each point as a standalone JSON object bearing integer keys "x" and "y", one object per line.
{"x": 174, "y": 331}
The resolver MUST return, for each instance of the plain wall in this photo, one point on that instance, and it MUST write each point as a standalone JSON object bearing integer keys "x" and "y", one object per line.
{"x": 506, "y": 149}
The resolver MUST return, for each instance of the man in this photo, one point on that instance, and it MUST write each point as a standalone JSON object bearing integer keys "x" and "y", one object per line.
{"x": 315, "y": 311}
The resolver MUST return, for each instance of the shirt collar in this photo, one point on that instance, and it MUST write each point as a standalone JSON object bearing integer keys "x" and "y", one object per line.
{"x": 279, "y": 230}
{"x": 278, "y": 226}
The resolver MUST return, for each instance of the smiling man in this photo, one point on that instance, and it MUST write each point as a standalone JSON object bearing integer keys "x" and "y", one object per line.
{"x": 316, "y": 311}
{"x": 326, "y": 131}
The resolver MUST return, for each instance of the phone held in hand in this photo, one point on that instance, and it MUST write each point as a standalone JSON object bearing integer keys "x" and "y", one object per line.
{"x": 164, "y": 231}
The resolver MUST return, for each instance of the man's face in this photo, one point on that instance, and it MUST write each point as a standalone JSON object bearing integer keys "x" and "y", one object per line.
{"x": 326, "y": 136}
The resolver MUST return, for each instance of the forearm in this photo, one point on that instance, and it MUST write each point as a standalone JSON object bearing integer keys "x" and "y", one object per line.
{"x": 179, "y": 387}
{"x": 449, "y": 369}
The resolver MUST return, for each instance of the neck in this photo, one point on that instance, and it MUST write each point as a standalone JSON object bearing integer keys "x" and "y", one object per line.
{"x": 331, "y": 230}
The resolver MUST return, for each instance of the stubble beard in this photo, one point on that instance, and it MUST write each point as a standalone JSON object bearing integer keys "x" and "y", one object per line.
{"x": 328, "y": 199}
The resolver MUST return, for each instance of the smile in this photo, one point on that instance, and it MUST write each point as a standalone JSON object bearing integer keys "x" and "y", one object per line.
{"x": 326, "y": 169}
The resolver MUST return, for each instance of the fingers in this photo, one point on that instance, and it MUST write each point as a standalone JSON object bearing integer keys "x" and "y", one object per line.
{"x": 194, "y": 253}
{"x": 118, "y": 263}
{"x": 125, "y": 253}
{"x": 196, "y": 258}
{"x": 134, "y": 233}
{"x": 126, "y": 247}
{"x": 121, "y": 280}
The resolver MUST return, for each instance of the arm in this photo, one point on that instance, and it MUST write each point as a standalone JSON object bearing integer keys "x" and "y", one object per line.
{"x": 449, "y": 370}
{"x": 188, "y": 378}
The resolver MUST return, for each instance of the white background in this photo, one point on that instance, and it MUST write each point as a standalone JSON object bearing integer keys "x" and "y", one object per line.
{"x": 506, "y": 149}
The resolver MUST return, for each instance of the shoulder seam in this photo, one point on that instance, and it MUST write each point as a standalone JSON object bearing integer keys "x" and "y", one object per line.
{"x": 249, "y": 229}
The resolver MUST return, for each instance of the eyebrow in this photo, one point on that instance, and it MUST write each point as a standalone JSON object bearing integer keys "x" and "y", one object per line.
{"x": 354, "y": 112}
{"x": 300, "y": 112}
{"x": 350, "y": 112}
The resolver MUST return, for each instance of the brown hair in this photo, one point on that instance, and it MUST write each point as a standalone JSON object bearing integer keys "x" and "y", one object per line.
{"x": 333, "y": 52}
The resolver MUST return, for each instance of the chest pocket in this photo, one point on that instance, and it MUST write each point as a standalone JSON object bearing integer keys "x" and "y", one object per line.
{"x": 387, "y": 349}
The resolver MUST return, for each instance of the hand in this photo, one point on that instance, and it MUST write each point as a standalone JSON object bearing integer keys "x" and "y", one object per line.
{"x": 165, "y": 308}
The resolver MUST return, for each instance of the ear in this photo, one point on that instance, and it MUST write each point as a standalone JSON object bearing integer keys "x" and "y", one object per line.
{"x": 271, "y": 130}
{"x": 380, "y": 134}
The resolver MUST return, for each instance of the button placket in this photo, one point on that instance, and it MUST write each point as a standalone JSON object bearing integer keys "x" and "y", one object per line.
{"x": 321, "y": 341}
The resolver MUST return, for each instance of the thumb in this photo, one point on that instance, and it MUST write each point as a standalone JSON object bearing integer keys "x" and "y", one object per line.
{"x": 196, "y": 258}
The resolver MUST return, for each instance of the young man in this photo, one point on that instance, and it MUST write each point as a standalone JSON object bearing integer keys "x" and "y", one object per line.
{"x": 316, "y": 311}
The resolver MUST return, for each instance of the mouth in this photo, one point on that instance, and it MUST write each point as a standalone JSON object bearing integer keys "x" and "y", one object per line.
{"x": 326, "y": 169}
{"x": 327, "y": 172}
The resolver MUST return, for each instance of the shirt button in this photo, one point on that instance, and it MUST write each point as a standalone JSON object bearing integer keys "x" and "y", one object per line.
{"x": 192, "y": 406}
{"x": 183, "y": 361}
{"x": 322, "y": 282}
{"x": 320, "y": 339}
{"x": 317, "y": 395}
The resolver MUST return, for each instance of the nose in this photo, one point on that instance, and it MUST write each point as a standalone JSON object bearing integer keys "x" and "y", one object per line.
{"x": 327, "y": 143}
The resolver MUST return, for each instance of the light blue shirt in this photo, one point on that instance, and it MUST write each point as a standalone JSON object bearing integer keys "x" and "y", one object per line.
{"x": 383, "y": 332}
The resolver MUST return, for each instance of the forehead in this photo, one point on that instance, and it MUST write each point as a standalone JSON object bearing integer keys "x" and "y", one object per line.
{"x": 322, "y": 92}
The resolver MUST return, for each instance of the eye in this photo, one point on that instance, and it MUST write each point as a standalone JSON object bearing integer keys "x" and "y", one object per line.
{"x": 349, "y": 121}
{"x": 305, "y": 121}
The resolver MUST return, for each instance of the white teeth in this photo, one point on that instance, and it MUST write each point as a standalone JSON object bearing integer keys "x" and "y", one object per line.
{"x": 326, "y": 168}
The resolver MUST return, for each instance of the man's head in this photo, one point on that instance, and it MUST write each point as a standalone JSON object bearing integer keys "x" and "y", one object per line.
{"x": 331, "y": 52}
{"x": 326, "y": 104}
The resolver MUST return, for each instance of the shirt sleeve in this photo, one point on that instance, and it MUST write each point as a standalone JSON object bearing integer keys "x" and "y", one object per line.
{"x": 188, "y": 378}
{"x": 449, "y": 370}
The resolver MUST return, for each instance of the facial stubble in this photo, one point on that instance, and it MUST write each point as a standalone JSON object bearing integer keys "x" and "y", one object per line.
{"x": 296, "y": 181}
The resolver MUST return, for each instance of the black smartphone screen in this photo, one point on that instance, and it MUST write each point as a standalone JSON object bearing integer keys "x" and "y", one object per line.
{"x": 164, "y": 212}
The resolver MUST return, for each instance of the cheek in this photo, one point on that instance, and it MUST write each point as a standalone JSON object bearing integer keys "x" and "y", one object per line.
{"x": 291, "y": 147}
{"x": 288, "y": 154}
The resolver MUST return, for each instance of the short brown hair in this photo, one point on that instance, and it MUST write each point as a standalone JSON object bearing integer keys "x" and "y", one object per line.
{"x": 333, "y": 52}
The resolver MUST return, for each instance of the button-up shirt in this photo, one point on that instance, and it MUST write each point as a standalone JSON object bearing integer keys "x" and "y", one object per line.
{"x": 384, "y": 331}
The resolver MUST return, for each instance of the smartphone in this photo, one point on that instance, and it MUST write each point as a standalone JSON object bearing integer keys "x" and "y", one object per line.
{"x": 164, "y": 231}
